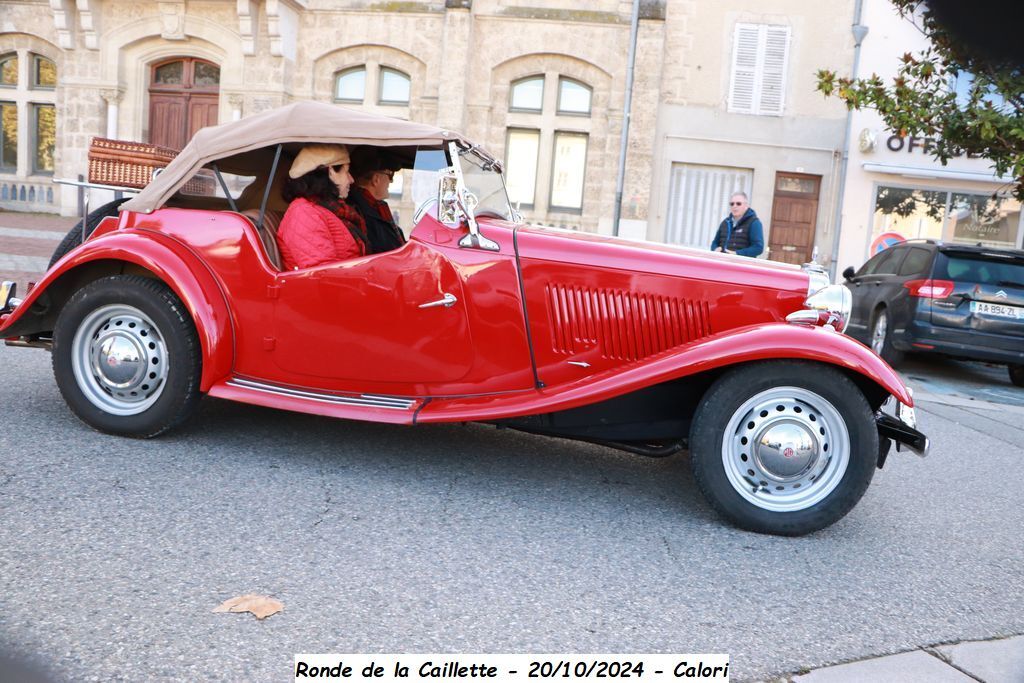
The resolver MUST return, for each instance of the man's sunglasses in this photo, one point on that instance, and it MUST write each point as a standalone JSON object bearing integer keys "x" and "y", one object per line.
{"x": 735, "y": 203}
{"x": 337, "y": 168}
{"x": 389, "y": 174}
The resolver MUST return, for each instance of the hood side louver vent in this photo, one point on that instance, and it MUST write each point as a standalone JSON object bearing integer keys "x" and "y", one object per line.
{"x": 624, "y": 325}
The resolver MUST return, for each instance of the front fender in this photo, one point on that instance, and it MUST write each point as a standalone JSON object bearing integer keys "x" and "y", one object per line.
{"x": 170, "y": 261}
{"x": 773, "y": 341}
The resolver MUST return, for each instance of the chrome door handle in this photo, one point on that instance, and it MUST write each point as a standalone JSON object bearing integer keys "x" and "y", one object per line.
{"x": 448, "y": 300}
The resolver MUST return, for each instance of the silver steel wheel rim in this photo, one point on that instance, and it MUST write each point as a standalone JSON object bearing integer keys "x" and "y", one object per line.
{"x": 879, "y": 332}
{"x": 785, "y": 449}
{"x": 119, "y": 360}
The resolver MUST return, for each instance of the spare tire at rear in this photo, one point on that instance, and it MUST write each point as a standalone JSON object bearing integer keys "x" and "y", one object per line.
{"x": 75, "y": 236}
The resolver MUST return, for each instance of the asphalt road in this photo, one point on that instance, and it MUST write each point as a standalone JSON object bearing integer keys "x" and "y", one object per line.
{"x": 377, "y": 538}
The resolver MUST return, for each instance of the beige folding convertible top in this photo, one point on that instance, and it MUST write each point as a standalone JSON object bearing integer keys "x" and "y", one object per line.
{"x": 299, "y": 122}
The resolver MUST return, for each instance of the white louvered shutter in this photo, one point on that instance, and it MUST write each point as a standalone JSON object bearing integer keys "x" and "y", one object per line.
{"x": 744, "y": 68}
{"x": 760, "y": 57}
{"x": 773, "y": 72}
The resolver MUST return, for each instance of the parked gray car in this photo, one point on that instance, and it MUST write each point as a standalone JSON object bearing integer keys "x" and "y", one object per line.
{"x": 933, "y": 297}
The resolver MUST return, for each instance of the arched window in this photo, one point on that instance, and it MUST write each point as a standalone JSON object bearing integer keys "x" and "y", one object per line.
{"x": 573, "y": 97}
{"x": 44, "y": 73}
{"x": 350, "y": 85}
{"x": 9, "y": 71}
{"x": 546, "y": 142}
{"x": 27, "y": 100}
{"x": 394, "y": 87}
{"x": 528, "y": 94}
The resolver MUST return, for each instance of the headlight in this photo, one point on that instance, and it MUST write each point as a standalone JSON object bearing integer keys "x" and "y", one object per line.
{"x": 817, "y": 280}
{"x": 835, "y": 300}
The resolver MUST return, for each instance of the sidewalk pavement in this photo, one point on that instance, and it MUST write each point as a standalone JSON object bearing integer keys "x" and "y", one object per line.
{"x": 988, "y": 661}
{"x": 27, "y": 241}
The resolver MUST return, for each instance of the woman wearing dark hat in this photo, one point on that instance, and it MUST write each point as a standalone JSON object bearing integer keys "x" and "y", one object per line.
{"x": 319, "y": 227}
{"x": 373, "y": 174}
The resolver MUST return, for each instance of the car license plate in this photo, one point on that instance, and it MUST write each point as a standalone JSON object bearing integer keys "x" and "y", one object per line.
{"x": 1000, "y": 310}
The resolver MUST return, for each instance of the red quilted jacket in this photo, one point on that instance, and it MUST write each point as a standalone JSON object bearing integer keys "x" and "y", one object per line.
{"x": 310, "y": 235}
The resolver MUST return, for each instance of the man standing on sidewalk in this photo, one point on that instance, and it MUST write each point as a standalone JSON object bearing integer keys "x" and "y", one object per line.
{"x": 741, "y": 232}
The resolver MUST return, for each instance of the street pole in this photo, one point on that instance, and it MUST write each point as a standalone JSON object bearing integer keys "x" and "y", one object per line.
{"x": 631, "y": 60}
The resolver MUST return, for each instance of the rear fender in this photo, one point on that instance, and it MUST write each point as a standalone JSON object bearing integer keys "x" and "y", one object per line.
{"x": 166, "y": 259}
{"x": 774, "y": 341}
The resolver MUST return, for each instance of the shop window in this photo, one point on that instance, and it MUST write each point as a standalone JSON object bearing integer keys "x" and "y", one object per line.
{"x": 44, "y": 73}
{"x": 9, "y": 71}
{"x": 394, "y": 87}
{"x": 521, "y": 155}
{"x": 573, "y": 97}
{"x": 528, "y": 94}
{"x": 991, "y": 219}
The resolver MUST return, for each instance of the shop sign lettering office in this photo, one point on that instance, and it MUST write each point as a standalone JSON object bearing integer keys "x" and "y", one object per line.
{"x": 911, "y": 142}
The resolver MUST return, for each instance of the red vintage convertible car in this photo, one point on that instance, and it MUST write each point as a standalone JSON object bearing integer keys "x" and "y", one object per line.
{"x": 478, "y": 317}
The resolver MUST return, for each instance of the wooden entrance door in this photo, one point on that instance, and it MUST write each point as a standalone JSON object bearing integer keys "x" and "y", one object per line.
{"x": 794, "y": 215}
{"x": 183, "y": 94}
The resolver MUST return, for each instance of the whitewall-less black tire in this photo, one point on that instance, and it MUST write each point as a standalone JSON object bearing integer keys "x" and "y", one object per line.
{"x": 126, "y": 356}
{"x": 783, "y": 447}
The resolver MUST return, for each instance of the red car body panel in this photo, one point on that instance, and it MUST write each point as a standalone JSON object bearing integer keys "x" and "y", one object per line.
{"x": 175, "y": 264}
{"x": 551, "y": 320}
{"x": 749, "y": 344}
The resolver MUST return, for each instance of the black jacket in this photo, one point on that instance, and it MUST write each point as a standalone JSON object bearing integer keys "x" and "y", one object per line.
{"x": 382, "y": 234}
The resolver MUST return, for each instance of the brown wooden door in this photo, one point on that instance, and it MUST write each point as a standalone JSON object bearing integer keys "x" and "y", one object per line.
{"x": 183, "y": 95}
{"x": 794, "y": 215}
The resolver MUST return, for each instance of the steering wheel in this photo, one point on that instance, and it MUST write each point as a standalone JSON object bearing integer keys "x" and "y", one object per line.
{"x": 490, "y": 213}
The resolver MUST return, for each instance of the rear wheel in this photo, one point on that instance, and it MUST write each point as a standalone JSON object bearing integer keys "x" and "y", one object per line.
{"x": 881, "y": 338}
{"x": 126, "y": 356}
{"x": 783, "y": 447}
{"x": 1017, "y": 374}
{"x": 75, "y": 237}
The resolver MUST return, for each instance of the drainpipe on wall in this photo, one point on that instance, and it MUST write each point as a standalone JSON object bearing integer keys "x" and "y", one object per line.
{"x": 630, "y": 60}
{"x": 859, "y": 31}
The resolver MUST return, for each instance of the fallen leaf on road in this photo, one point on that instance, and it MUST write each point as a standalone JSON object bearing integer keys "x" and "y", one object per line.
{"x": 260, "y": 605}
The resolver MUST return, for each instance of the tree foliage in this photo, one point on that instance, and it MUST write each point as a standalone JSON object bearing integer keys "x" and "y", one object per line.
{"x": 984, "y": 119}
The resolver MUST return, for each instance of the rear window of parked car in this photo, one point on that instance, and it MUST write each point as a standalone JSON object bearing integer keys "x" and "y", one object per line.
{"x": 981, "y": 269}
{"x": 917, "y": 260}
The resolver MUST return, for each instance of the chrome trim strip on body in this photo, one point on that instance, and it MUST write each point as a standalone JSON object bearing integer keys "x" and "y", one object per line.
{"x": 363, "y": 400}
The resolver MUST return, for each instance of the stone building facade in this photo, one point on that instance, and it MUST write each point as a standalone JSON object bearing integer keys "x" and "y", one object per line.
{"x": 130, "y": 69}
{"x": 723, "y": 95}
{"x": 738, "y": 111}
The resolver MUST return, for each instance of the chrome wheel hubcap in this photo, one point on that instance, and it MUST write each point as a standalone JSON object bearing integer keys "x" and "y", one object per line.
{"x": 878, "y": 334}
{"x": 786, "y": 449}
{"x": 119, "y": 360}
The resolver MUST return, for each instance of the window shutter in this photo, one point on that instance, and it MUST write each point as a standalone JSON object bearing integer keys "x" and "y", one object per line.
{"x": 744, "y": 69}
{"x": 771, "y": 98}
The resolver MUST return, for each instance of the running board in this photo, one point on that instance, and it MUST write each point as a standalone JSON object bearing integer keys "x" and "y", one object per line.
{"x": 368, "y": 407}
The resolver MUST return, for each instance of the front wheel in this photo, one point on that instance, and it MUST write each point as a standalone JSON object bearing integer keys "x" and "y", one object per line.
{"x": 126, "y": 356}
{"x": 783, "y": 447}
